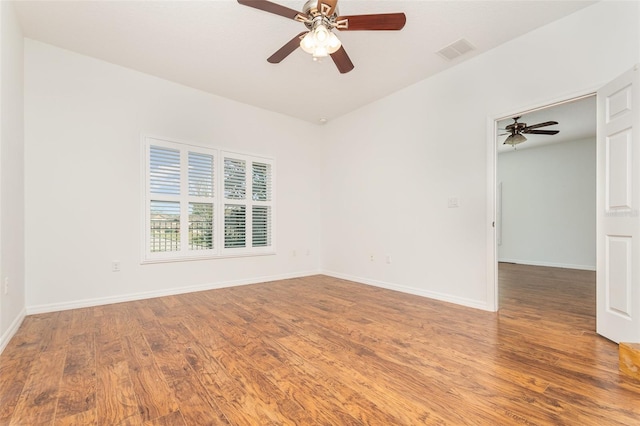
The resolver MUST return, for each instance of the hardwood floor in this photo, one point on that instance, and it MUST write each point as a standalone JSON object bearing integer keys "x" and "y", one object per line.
{"x": 319, "y": 350}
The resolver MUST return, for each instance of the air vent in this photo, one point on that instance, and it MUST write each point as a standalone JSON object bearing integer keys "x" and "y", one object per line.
{"x": 455, "y": 49}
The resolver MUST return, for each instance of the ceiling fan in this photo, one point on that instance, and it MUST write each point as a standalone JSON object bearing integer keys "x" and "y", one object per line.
{"x": 516, "y": 130}
{"x": 321, "y": 17}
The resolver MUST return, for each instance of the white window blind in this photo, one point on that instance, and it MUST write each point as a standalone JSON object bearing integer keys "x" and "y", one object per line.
{"x": 248, "y": 203}
{"x": 164, "y": 178}
{"x": 261, "y": 209}
{"x": 164, "y": 226}
{"x": 261, "y": 226}
{"x": 182, "y": 211}
{"x": 235, "y": 179}
{"x": 201, "y": 180}
{"x": 261, "y": 182}
{"x": 164, "y": 170}
{"x": 180, "y": 200}
{"x": 201, "y": 215}
{"x": 235, "y": 226}
{"x": 201, "y": 226}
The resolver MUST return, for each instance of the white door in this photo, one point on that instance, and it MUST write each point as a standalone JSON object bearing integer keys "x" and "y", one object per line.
{"x": 618, "y": 209}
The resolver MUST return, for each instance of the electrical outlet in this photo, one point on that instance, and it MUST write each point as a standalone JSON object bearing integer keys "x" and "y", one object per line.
{"x": 372, "y": 258}
{"x": 294, "y": 253}
{"x": 388, "y": 258}
{"x": 6, "y": 285}
{"x": 115, "y": 266}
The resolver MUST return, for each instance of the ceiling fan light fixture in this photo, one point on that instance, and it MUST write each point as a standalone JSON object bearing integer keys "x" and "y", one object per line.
{"x": 514, "y": 140}
{"x": 320, "y": 42}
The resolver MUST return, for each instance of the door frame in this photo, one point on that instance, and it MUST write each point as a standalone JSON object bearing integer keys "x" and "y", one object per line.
{"x": 492, "y": 171}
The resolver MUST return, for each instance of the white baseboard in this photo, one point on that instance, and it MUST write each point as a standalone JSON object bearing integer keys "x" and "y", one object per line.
{"x": 85, "y": 303}
{"x": 549, "y": 264}
{"x": 11, "y": 331}
{"x": 477, "y": 304}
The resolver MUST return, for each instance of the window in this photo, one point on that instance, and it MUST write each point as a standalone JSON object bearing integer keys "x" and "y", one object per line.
{"x": 247, "y": 203}
{"x": 182, "y": 213}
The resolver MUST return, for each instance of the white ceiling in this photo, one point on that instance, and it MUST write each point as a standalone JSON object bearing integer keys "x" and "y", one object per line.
{"x": 221, "y": 47}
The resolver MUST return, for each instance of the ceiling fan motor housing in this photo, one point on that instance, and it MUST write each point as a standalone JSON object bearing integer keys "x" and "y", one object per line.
{"x": 311, "y": 8}
{"x": 315, "y": 17}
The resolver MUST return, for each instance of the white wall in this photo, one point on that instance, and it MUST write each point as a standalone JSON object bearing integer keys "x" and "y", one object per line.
{"x": 12, "y": 304}
{"x": 83, "y": 121}
{"x": 391, "y": 166}
{"x": 549, "y": 205}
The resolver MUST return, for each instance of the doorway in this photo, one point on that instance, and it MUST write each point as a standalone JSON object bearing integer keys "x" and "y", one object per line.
{"x": 618, "y": 204}
{"x": 546, "y": 193}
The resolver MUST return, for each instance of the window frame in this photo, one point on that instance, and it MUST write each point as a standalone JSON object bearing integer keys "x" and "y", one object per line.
{"x": 218, "y": 201}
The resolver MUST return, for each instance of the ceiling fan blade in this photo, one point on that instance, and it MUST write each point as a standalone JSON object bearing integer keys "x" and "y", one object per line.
{"x": 541, "y": 132}
{"x": 329, "y": 6}
{"x": 287, "y": 49}
{"x": 342, "y": 60}
{"x": 270, "y": 7}
{"x": 382, "y": 21}
{"x": 545, "y": 124}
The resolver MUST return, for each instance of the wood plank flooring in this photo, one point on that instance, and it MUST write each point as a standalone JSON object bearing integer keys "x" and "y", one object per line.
{"x": 323, "y": 351}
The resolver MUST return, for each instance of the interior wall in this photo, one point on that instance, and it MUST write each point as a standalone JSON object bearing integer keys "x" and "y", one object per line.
{"x": 12, "y": 304}
{"x": 84, "y": 119}
{"x": 391, "y": 167}
{"x": 549, "y": 205}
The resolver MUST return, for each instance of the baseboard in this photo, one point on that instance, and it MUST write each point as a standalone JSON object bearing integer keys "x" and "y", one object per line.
{"x": 549, "y": 264}
{"x": 86, "y": 303}
{"x": 477, "y": 304}
{"x": 11, "y": 331}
